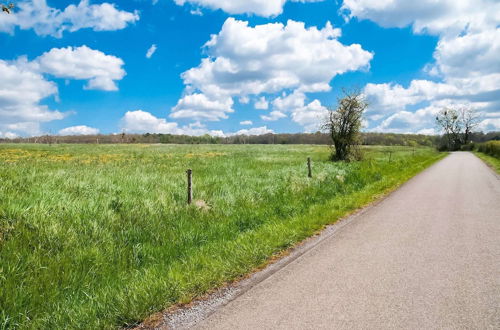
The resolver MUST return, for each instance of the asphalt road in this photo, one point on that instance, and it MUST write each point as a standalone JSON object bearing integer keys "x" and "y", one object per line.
{"x": 427, "y": 257}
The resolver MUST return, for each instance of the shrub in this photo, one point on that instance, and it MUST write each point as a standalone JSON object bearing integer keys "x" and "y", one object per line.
{"x": 468, "y": 147}
{"x": 491, "y": 148}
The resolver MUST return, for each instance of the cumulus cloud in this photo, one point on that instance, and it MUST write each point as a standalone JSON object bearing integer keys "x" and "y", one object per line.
{"x": 261, "y": 104}
{"x": 444, "y": 17}
{"x": 253, "y": 131}
{"x": 273, "y": 115}
{"x": 265, "y": 8}
{"x": 46, "y": 20}
{"x": 24, "y": 84}
{"x": 465, "y": 68}
{"x": 139, "y": 121}
{"x": 151, "y": 51}
{"x": 246, "y": 122}
{"x": 310, "y": 115}
{"x": 21, "y": 91}
{"x": 270, "y": 58}
{"x": 200, "y": 107}
{"x": 79, "y": 130}
{"x": 84, "y": 63}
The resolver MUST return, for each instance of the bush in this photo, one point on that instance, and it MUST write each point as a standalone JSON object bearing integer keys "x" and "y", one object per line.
{"x": 491, "y": 148}
{"x": 468, "y": 147}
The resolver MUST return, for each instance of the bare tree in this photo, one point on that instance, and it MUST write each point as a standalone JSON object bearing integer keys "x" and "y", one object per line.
{"x": 457, "y": 125}
{"x": 449, "y": 121}
{"x": 470, "y": 120}
{"x": 344, "y": 124}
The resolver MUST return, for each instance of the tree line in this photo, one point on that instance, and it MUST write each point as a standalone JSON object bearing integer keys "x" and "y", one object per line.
{"x": 319, "y": 138}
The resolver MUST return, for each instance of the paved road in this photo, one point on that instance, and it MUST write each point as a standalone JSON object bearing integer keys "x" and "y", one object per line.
{"x": 427, "y": 257}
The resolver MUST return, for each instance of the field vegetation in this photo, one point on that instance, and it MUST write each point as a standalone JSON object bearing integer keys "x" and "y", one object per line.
{"x": 489, "y": 152}
{"x": 100, "y": 236}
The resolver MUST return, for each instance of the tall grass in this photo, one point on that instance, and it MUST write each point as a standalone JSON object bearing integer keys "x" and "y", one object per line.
{"x": 491, "y": 148}
{"x": 101, "y": 236}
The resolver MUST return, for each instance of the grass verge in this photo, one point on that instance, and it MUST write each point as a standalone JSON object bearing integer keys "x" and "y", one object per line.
{"x": 100, "y": 236}
{"x": 491, "y": 161}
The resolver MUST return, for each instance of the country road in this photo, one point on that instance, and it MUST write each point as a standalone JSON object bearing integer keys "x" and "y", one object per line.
{"x": 426, "y": 257}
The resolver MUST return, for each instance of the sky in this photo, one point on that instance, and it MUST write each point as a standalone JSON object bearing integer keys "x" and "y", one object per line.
{"x": 224, "y": 67}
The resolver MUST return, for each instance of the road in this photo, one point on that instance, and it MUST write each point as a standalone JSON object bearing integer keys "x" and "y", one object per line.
{"x": 427, "y": 257}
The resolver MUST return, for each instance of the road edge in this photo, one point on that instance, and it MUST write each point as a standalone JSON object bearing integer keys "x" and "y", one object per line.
{"x": 188, "y": 315}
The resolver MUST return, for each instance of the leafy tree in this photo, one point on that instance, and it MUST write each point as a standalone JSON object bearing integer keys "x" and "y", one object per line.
{"x": 344, "y": 125}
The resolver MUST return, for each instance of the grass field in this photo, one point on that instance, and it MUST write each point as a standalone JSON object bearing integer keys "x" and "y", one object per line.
{"x": 100, "y": 236}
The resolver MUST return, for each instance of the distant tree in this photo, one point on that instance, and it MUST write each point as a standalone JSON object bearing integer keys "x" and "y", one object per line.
{"x": 448, "y": 121}
{"x": 7, "y": 9}
{"x": 344, "y": 125}
{"x": 470, "y": 120}
{"x": 457, "y": 125}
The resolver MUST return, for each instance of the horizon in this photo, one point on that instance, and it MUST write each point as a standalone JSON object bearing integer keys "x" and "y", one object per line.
{"x": 191, "y": 67}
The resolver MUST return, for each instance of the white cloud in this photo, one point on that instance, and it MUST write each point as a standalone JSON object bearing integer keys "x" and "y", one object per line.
{"x": 264, "y": 8}
{"x": 79, "y": 130}
{"x": 246, "y": 122}
{"x": 386, "y": 98}
{"x": 270, "y": 58}
{"x": 151, "y": 51}
{"x": 196, "y": 12}
{"x": 8, "y": 135}
{"x": 139, "y": 121}
{"x": 261, "y": 104}
{"x": 21, "y": 91}
{"x": 466, "y": 66}
{"x": 444, "y": 17}
{"x": 200, "y": 107}
{"x": 489, "y": 124}
{"x": 245, "y": 60}
{"x": 83, "y": 63}
{"x": 23, "y": 85}
{"x": 253, "y": 131}
{"x": 470, "y": 55}
{"x": 310, "y": 116}
{"x": 244, "y": 100}
{"x": 273, "y": 115}
{"x": 45, "y": 20}
{"x": 144, "y": 122}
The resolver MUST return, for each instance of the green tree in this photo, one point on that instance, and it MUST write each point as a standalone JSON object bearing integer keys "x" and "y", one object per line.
{"x": 344, "y": 125}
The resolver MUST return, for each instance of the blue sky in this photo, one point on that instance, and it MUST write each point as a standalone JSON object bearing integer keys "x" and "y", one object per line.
{"x": 243, "y": 66}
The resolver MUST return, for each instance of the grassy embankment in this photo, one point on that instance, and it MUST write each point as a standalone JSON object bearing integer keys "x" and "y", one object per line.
{"x": 489, "y": 152}
{"x": 101, "y": 236}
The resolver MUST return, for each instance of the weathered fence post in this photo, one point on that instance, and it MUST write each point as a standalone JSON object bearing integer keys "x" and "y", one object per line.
{"x": 190, "y": 185}
{"x": 309, "y": 167}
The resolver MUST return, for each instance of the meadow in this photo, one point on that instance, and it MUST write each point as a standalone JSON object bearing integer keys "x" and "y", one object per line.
{"x": 101, "y": 236}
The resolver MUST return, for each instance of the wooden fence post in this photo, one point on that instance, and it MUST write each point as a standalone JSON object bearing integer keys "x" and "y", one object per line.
{"x": 190, "y": 186}
{"x": 309, "y": 167}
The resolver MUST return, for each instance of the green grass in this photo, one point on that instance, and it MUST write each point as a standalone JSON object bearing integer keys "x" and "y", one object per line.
{"x": 101, "y": 236}
{"x": 493, "y": 162}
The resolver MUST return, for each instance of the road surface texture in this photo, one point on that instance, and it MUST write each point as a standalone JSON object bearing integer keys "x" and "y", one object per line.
{"x": 427, "y": 257}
